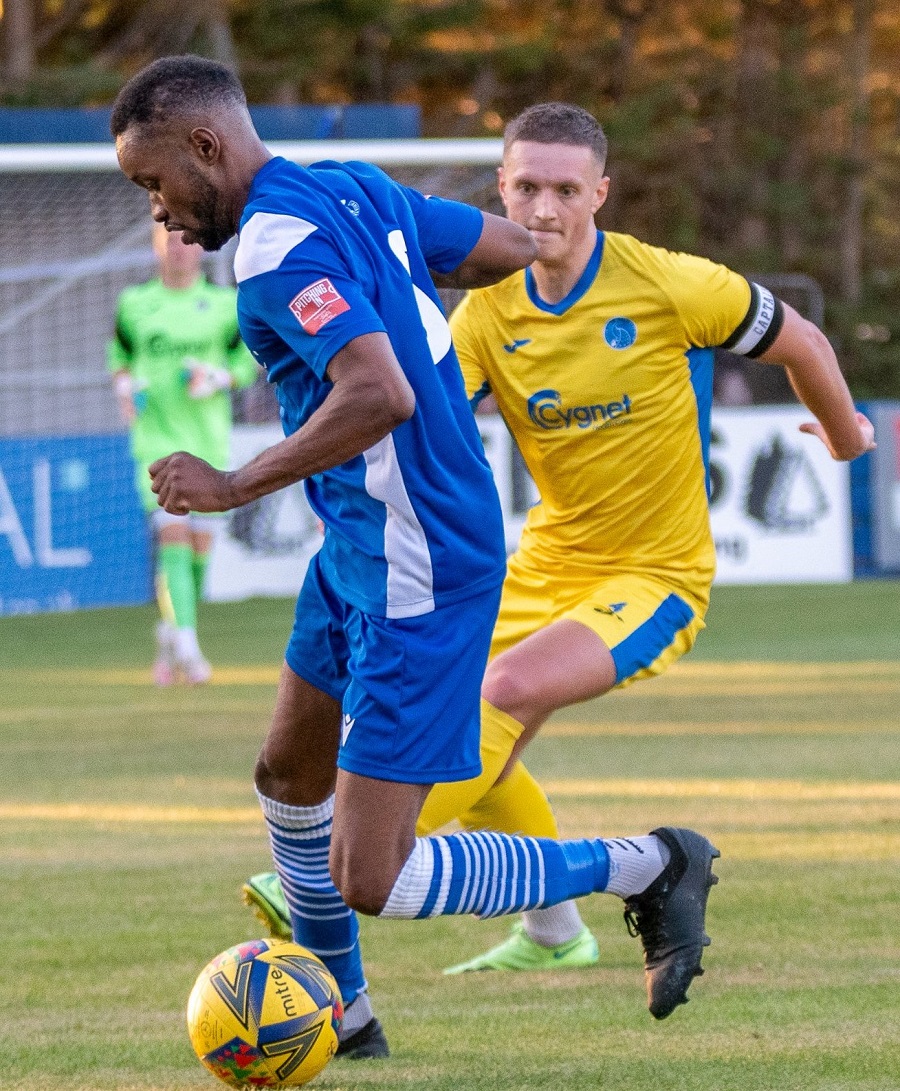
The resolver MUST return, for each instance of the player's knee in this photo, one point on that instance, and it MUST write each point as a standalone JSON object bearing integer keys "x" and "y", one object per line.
{"x": 508, "y": 689}
{"x": 267, "y": 776}
{"x": 363, "y": 898}
{"x": 364, "y": 875}
{"x": 275, "y": 761}
{"x": 289, "y": 781}
{"x": 362, "y": 889}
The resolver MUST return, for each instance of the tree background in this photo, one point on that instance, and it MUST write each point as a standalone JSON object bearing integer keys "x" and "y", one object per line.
{"x": 762, "y": 133}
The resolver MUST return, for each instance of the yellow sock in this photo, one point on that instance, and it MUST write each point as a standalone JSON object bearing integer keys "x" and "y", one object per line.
{"x": 445, "y": 802}
{"x": 515, "y": 805}
{"x": 163, "y": 598}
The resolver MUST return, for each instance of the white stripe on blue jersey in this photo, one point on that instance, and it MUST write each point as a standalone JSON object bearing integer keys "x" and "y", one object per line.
{"x": 265, "y": 241}
{"x": 410, "y": 588}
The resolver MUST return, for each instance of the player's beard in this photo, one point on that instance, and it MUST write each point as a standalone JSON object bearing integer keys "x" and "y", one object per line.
{"x": 215, "y": 226}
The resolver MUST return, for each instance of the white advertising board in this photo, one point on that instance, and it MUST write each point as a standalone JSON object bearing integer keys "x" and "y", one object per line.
{"x": 780, "y": 508}
{"x": 780, "y": 505}
{"x": 262, "y": 548}
{"x": 884, "y": 484}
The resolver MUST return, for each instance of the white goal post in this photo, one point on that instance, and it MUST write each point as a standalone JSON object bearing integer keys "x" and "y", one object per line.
{"x": 383, "y": 153}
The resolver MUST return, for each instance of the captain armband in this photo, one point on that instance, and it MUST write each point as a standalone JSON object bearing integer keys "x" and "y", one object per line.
{"x": 761, "y": 325}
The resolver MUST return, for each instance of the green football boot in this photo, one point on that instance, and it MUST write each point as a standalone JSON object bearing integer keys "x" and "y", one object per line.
{"x": 265, "y": 897}
{"x": 520, "y": 952}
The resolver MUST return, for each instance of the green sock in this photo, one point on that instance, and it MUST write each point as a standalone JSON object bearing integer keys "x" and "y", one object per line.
{"x": 200, "y": 563}
{"x": 176, "y": 562}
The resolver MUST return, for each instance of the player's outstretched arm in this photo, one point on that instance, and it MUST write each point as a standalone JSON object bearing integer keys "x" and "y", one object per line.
{"x": 813, "y": 370}
{"x": 502, "y": 249}
{"x": 369, "y": 399}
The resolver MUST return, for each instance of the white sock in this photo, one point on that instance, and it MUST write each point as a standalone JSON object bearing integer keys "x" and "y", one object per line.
{"x": 356, "y": 1015}
{"x": 411, "y": 888}
{"x": 554, "y": 926}
{"x": 634, "y": 862}
{"x": 186, "y": 644}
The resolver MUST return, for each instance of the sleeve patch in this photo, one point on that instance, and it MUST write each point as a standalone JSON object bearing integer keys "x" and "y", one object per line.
{"x": 317, "y": 305}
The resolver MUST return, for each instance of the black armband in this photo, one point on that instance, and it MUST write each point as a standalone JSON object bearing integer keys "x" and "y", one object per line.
{"x": 761, "y": 324}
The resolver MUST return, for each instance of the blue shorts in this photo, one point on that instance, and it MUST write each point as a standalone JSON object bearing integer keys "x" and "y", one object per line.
{"x": 409, "y": 688}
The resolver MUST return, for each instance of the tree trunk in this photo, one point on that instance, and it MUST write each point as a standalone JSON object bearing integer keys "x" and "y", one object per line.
{"x": 18, "y": 40}
{"x": 754, "y": 104}
{"x": 852, "y": 228}
{"x": 632, "y": 14}
{"x": 221, "y": 41}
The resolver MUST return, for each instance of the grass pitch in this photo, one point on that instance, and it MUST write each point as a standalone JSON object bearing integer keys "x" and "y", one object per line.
{"x": 127, "y": 823}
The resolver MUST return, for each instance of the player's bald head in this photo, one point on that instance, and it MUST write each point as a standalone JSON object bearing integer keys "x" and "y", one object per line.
{"x": 177, "y": 89}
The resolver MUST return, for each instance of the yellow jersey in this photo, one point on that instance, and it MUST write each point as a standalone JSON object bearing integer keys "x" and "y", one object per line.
{"x": 608, "y": 395}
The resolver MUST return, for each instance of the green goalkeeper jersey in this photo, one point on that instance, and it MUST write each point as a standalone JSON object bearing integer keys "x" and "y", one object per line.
{"x": 161, "y": 333}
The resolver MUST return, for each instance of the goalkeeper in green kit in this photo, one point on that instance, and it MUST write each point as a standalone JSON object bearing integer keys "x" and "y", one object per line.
{"x": 175, "y": 357}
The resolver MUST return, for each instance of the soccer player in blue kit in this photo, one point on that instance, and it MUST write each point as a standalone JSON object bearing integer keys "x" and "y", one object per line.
{"x": 379, "y": 693}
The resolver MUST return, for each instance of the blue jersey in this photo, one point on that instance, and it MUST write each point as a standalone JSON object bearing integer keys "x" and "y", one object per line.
{"x": 325, "y": 255}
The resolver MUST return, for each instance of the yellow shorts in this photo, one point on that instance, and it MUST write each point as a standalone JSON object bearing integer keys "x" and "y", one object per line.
{"x": 646, "y": 623}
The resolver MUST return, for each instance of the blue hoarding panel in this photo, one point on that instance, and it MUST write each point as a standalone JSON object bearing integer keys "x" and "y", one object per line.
{"x": 337, "y": 122}
{"x": 861, "y": 509}
{"x": 72, "y": 533}
{"x": 89, "y": 125}
{"x": 37, "y": 125}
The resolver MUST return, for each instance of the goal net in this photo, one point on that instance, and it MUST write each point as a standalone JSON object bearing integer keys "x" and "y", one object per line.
{"x": 73, "y": 234}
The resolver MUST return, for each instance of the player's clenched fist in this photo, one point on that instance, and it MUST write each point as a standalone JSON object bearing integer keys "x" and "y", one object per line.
{"x": 183, "y": 483}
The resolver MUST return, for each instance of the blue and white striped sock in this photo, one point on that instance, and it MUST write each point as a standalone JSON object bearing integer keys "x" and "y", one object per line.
{"x": 300, "y": 839}
{"x": 491, "y": 874}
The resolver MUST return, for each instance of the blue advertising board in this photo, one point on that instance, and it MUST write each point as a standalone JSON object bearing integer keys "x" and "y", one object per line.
{"x": 72, "y": 533}
{"x": 875, "y": 482}
{"x": 90, "y": 125}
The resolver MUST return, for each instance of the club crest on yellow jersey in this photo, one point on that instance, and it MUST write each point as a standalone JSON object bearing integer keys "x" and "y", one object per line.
{"x": 620, "y": 333}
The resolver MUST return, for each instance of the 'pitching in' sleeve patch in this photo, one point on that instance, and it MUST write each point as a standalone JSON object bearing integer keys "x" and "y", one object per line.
{"x": 760, "y": 326}
{"x": 317, "y": 305}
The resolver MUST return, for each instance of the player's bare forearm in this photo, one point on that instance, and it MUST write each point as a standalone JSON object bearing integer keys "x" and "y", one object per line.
{"x": 503, "y": 248}
{"x": 124, "y": 390}
{"x": 815, "y": 376}
{"x": 340, "y": 429}
{"x": 335, "y": 433}
{"x": 369, "y": 399}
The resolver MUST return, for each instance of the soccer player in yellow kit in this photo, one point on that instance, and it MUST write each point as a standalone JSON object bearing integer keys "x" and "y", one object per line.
{"x": 599, "y": 357}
